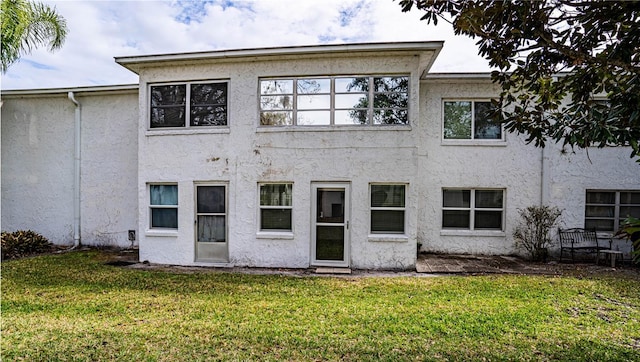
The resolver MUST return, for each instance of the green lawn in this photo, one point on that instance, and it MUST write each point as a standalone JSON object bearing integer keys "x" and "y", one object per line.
{"x": 74, "y": 307}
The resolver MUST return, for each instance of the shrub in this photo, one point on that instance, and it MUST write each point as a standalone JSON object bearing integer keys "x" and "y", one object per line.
{"x": 631, "y": 230}
{"x": 532, "y": 233}
{"x": 22, "y": 242}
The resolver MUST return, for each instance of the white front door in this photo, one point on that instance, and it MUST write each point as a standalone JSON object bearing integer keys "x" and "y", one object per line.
{"x": 212, "y": 245}
{"x": 330, "y": 224}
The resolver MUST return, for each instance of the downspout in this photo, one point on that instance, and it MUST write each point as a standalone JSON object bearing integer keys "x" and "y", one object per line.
{"x": 76, "y": 174}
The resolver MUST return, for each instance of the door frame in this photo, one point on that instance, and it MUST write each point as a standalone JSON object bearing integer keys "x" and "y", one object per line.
{"x": 340, "y": 185}
{"x": 219, "y": 250}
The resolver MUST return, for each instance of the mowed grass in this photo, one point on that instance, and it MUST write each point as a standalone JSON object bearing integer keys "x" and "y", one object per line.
{"x": 73, "y": 307}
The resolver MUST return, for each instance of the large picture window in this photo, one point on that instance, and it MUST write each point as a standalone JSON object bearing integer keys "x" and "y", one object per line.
{"x": 472, "y": 209}
{"x": 469, "y": 120}
{"x": 163, "y": 206}
{"x": 387, "y": 209}
{"x": 334, "y": 101}
{"x": 276, "y": 207}
{"x": 188, "y": 105}
{"x": 605, "y": 210}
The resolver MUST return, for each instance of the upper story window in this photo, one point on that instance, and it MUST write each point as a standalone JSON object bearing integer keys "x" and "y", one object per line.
{"x": 605, "y": 210}
{"x": 469, "y": 120}
{"x": 334, "y": 101}
{"x": 205, "y": 103}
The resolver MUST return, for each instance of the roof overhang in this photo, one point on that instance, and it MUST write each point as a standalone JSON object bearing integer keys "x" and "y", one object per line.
{"x": 136, "y": 63}
{"x": 111, "y": 89}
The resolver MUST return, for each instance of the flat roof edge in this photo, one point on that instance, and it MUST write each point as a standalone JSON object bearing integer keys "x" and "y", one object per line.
{"x": 289, "y": 50}
{"x": 90, "y": 89}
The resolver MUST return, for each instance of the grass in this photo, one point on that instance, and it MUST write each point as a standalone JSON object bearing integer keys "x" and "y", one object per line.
{"x": 73, "y": 307}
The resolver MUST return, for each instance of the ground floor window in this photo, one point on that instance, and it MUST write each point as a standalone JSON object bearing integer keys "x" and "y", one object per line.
{"x": 276, "y": 206}
{"x": 605, "y": 210}
{"x": 387, "y": 209}
{"x": 473, "y": 209}
{"x": 163, "y": 206}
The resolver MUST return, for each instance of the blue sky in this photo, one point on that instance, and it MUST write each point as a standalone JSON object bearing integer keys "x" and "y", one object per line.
{"x": 102, "y": 30}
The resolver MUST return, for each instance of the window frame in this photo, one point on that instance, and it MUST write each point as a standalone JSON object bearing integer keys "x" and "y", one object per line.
{"x": 187, "y": 105}
{"x": 267, "y": 232}
{"x": 472, "y": 210}
{"x": 151, "y": 206}
{"x": 388, "y": 208}
{"x": 371, "y": 93}
{"x": 472, "y": 138}
{"x": 616, "y": 208}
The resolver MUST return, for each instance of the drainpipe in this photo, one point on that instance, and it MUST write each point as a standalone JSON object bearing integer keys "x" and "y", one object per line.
{"x": 76, "y": 173}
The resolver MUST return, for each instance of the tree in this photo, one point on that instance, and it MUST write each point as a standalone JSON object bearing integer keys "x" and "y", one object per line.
{"x": 569, "y": 70}
{"x": 27, "y": 25}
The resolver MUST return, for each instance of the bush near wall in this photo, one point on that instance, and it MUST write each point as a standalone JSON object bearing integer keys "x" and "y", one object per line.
{"x": 23, "y": 242}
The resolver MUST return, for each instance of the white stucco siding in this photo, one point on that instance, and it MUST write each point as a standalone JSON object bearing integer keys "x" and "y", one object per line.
{"x": 245, "y": 154}
{"x": 511, "y": 166}
{"x": 38, "y": 166}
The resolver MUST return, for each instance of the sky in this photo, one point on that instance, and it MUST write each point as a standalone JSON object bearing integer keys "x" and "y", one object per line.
{"x": 102, "y": 30}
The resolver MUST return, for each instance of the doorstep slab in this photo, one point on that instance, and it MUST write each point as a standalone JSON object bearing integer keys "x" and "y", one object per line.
{"x": 333, "y": 271}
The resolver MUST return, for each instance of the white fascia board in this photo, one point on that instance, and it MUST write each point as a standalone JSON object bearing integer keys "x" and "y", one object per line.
{"x": 127, "y": 88}
{"x": 133, "y": 63}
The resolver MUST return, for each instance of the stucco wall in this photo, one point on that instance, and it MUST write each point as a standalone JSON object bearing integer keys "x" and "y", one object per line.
{"x": 245, "y": 154}
{"x": 38, "y": 166}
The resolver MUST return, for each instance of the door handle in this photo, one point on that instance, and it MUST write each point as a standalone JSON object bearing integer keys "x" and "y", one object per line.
{"x": 347, "y": 224}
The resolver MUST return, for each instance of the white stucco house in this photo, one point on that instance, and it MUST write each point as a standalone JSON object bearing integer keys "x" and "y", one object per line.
{"x": 333, "y": 155}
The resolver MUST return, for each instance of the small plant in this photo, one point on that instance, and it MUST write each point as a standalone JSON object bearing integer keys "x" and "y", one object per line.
{"x": 532, "y": 233}
{"x": 631, "y": 230}
{"x": 22, "y": 242}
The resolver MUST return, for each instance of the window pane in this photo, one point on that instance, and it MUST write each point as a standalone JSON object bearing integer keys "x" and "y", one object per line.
{"x": 276, "y": 194}
{"x": 313, "y": 118}
{"x": 390, "y": 116}
{"x": 598, "y": 197}
{"x": 485, "y": 128}
{"x": 351, "y": 117}
{"x": 630, "y": 198}
{"x": 456, "y": 198}
{"x": 209, "y": 116}
{"x": 625, "y": 211}
{"x": 276, "y": 118}
{"x": 489, "y": 198}
{"x": 164, "y": 218}
{"x": 211, "y": 199}
{"x": 168, "y": 95}
{"x": 390, "y": 100}
{"x": 330, "y": 242}
{"x": 457, "y": 120}
{"x": 602, "y": 211}
{"x": 599, "y": 224}
{"x": 390, "y": 221}
{"x": 387, "y": 195}
{"x": 276, "y": 102}
{"x": 275, "y": 219}
{"x": 167, "y": 117}
{"x": 314, "y": 102}
{"x": 209, "y": 94}
{"x": 345, "y": 85}
{"x": 313, "y": 86}
{"x": 456, "y": 219}
{"x": 391, "y": 84}
{"x": 351, "y": 101}
{"x": 164, "y": 194}
{"x": 488, "y": 220}
{"x": 330, "y": 206}
{"x": 211, "y": 229}
{"x": 280, "y": 86}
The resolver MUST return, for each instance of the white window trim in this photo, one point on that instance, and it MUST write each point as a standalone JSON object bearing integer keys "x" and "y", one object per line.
{"x": 501, "y": 142}
{"x": 472, "y": 209}
{"x": 616, "y": 208}
{"x": 274, "y": 234}
{"x": 387, "y": 235}
{"x": 157, "y": 231}
{"x": 332, "y": 109}
{"x": 187, "y": 128}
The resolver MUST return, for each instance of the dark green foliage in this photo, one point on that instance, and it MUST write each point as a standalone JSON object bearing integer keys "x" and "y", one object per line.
{"x": 569, "y": 70}
{"x": 631, "y": 230}
{"x": 23, "y": 242}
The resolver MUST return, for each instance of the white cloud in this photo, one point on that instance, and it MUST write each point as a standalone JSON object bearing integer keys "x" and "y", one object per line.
{"x": 101, "y": 30}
